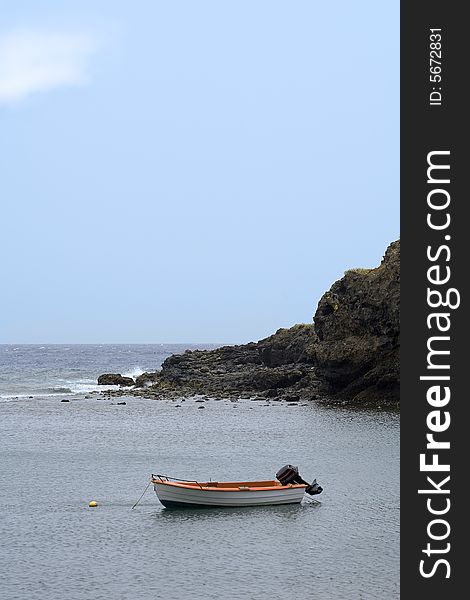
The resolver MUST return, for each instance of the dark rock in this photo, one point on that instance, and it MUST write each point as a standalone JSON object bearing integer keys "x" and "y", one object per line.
{"x": 358, "y": 326}
{"x": 115, "y": 379}
{"x": 235, "y": 370}
{"x": 295, "y": 345}
{"x": 146, "y": 379}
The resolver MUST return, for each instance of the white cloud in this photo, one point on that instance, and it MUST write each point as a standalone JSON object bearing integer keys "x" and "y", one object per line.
{"x": 34, "y": 61}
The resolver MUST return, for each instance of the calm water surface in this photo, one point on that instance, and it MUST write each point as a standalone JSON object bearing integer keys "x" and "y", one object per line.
{"x": 56, "y": 457}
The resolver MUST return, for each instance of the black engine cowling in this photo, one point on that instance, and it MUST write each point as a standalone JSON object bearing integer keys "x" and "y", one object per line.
{"x": 290, "y": 474}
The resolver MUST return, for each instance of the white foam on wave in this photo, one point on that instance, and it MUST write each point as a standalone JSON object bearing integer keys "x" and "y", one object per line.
{"x": 65, "y": 387}
{"x": 86, "y": 385}
{"x": 73, "y": 391}
{"x": 85, "y": 388}
{"x": 134, "y": 372}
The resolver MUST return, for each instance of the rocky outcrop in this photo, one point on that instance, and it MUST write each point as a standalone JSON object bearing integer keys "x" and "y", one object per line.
{"x": 358, "y": 327}
{"x": 349, "y": 354}
{"x": 146, "y": 379}
{"x": 271, "y": 367}
{"x": 115, "y": 379}
{"x": 295, "y": 345}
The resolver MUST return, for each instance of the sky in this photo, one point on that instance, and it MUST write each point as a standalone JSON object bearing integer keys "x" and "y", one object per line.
{"x": 191, "y": 171}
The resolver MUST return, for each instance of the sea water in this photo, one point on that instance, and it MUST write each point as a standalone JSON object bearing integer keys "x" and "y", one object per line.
{"x": 57, "y": 456}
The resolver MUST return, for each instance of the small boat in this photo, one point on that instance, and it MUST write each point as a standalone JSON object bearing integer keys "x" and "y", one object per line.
{"x": 287, "y": 488}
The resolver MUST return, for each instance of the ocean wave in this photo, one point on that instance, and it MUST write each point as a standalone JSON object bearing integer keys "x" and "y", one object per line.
{"x": 60, "y": 386}
{"x": 134, "y": 372}
{"x": 54, "y": 392}
{"x": 25, "y": 393}
{"x": 85, "y": 388}
{"x": 12, "y": 397}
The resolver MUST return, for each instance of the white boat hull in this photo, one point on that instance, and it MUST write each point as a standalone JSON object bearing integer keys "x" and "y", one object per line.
{"x": 184, "y": 497}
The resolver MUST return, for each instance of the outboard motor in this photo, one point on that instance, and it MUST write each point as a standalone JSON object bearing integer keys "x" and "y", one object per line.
{"x": 290, "y": 474}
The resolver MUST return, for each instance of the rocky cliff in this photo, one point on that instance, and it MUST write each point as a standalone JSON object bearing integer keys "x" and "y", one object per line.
{"x": 358, "y": 327}
{"x": 349, "y": 354}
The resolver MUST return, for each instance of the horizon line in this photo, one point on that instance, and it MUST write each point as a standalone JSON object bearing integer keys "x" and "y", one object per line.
{"x": 115, "y": 343}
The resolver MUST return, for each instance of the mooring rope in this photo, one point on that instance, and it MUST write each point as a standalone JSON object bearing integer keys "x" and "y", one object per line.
{"x": 143, "y": 493}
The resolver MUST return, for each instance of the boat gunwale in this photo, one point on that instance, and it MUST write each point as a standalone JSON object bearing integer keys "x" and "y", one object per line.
{"x": 243, "y": 487}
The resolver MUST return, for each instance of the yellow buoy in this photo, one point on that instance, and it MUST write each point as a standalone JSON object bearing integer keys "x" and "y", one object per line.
{"x": 93, "y": 503}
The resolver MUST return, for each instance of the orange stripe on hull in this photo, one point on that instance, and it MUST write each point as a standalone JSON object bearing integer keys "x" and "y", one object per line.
{"x": 232, "y": 486}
